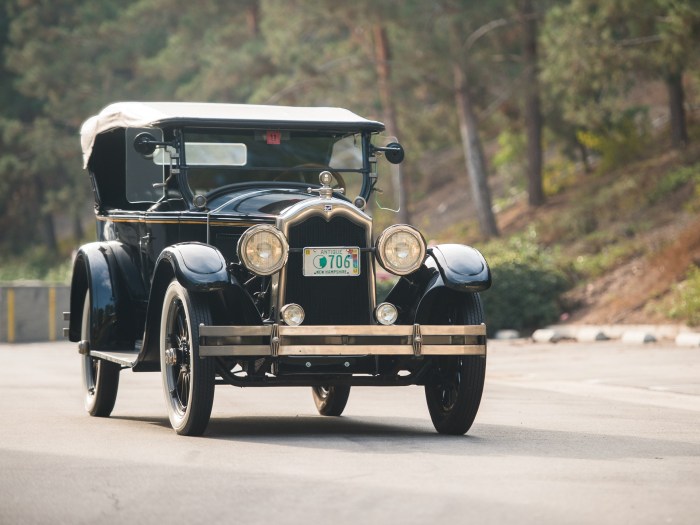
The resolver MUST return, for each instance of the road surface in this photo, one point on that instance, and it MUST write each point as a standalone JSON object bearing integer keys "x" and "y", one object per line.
{"x": 566, "y": 433}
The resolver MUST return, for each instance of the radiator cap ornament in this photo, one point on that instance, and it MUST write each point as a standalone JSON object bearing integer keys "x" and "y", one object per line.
{"x": 325, "y": 191}
{"x": 325, "y": 178}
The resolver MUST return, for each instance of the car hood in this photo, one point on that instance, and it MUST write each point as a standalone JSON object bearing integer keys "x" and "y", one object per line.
{"x": 258, "y": 203}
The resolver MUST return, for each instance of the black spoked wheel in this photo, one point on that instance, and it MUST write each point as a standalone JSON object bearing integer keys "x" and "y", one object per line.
{"x": 188, "y": 380}
{"x": 454, "y": 391}
{"x": 330, "y": 400}
{"x": 100, "y": 378}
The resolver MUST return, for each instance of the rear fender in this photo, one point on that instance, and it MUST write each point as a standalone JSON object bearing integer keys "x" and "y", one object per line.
{"x": 106, "y": 270}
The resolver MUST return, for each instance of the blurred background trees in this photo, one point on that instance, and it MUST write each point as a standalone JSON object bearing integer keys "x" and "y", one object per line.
{"x": 484, "y": 96}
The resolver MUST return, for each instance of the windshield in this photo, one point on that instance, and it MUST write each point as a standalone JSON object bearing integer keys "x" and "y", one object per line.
{"x": 220, "y": 158}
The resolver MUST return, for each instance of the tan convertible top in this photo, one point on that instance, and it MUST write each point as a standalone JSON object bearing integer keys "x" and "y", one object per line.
{"x": 147, "y": 114}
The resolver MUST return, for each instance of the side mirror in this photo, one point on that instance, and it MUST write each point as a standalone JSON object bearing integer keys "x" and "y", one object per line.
{"x": 393, "y": 152}
{"x": 145, "y": 144}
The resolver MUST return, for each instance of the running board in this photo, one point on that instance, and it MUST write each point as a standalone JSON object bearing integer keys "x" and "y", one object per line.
{"x": 125, "y": 358}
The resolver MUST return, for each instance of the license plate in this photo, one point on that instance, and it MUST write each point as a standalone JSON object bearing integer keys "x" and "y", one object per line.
{"x": 332, "y": 262}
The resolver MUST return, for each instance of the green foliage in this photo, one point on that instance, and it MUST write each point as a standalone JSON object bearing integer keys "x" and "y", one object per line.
{"x": 673, "y": 181}
{"x": 510, "y": 157}
{"x": 585, "y": 73}
{"x": 596, "y": 51}
{"x": 596, "y": 263}
{"x": 686, "y": 300}
{"x": 39, "y": 264}
{"x": 558, "y": 174}
{"x": 527, "y": 286}
{"x": 619, "y": 143}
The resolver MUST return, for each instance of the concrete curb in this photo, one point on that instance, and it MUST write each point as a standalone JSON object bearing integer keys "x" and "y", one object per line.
{"x": 688, "y": 339}
{"x": 32, "y": 312}
{"x": 632, "y": 334}
{"x": 549, "y": 335}
{"x": 638, "y": 337}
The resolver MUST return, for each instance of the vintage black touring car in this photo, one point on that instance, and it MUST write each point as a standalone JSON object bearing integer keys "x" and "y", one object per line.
{"x": 233, "y": 249}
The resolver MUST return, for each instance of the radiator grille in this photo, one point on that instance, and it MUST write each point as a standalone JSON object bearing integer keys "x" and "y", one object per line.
{"x": 329, "y": 300}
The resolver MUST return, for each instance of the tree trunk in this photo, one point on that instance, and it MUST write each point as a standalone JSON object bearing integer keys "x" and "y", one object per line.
{"x": 533, "y": 113}
{"x": 679, "y": 133}
{"x": 253, "y": 19}
{"x": 49, "y": 232}
{"x": 473, "y": 153}
{"x": 46, "y": 221}
{"x": 382, "y": 59}
{"x": 78, "y": 230}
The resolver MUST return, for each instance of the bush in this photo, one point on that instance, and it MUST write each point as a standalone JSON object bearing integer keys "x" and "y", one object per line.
{"x": 527, "y": 286}
{"x": 686, "y": 302}
{"x": 622, "y": 142}
{"x": 523, "y": 297}
{"x": 675, "y": 180}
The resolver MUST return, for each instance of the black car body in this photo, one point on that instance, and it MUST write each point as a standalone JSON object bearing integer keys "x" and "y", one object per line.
{"x": 227, "y": 252}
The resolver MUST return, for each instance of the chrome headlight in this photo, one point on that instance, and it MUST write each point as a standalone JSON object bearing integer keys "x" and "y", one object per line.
{"x": 400, "y": 249}
{"x": 386, "y": 314}
{"x": 292, "y": 314}
{"x": 263, "y": 249}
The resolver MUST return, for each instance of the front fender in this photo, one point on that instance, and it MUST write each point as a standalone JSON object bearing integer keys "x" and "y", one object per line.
{"x": 198, "y": 267}
{"x": 450, "y": 269}
{"x": 461, "y": 267}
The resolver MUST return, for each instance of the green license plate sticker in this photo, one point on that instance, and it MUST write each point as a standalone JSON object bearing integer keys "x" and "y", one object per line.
{"x": 332, "y": 262}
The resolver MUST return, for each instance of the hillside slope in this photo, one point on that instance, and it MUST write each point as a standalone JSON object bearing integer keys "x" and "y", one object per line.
{"x": 625, "y": 239}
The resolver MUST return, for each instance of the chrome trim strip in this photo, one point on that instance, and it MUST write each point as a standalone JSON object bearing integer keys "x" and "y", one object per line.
{"x": 216, "y": 221}
{"x": 282, "y": 340}
{"x": 237, "y": 351}
{"x": 337, "y": 350}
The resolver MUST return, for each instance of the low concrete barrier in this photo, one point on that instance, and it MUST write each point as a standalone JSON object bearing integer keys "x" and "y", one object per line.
{"x": 31, "y": 312}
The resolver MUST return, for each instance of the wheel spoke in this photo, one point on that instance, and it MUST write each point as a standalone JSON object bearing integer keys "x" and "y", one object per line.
{"x": 183, "y": 387}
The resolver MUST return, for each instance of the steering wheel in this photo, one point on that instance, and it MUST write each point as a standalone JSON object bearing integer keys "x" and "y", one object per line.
{"x": 339, "y": 181}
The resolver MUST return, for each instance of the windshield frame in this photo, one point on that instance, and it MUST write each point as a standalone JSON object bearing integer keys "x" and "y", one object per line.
{"x": 366, "y": 169}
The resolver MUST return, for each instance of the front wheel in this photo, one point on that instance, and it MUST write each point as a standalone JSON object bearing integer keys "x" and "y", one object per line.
{"x": 330, "y": 400}
{"x": 454, "y": 392}
{"x": 100, "y": 377}
{"x": 188, "y": 380}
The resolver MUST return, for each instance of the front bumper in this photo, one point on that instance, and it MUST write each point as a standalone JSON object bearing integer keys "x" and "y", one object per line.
{"x": 283, "y": 340}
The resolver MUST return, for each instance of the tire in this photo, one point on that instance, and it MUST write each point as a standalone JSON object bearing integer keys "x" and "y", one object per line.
{"x": 188, "y": 381}
{"x": 100, "y": 377}
{"x": 330, "y": 400}
{"x": 454, "y": 392}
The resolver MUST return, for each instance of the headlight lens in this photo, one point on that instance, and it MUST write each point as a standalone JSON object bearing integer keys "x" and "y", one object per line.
{"x": 292, "y": 314}
{"x": 401, "y": 249}
{"x": 263, "y": 249}
{"x": 386, "y": 314}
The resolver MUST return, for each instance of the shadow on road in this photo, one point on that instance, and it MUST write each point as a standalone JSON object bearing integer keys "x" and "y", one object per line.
{"x": 402, "y": 435}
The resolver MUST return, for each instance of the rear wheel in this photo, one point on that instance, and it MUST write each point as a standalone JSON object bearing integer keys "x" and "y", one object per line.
{"x": 330, "y": 400}
{"x": 188, "y": 380}
{"x": 100, "y": 377}
{"x": 454, "y": 392}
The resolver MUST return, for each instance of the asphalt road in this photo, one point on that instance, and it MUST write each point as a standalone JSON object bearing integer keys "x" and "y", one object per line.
{"x": 567, "y": 433}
